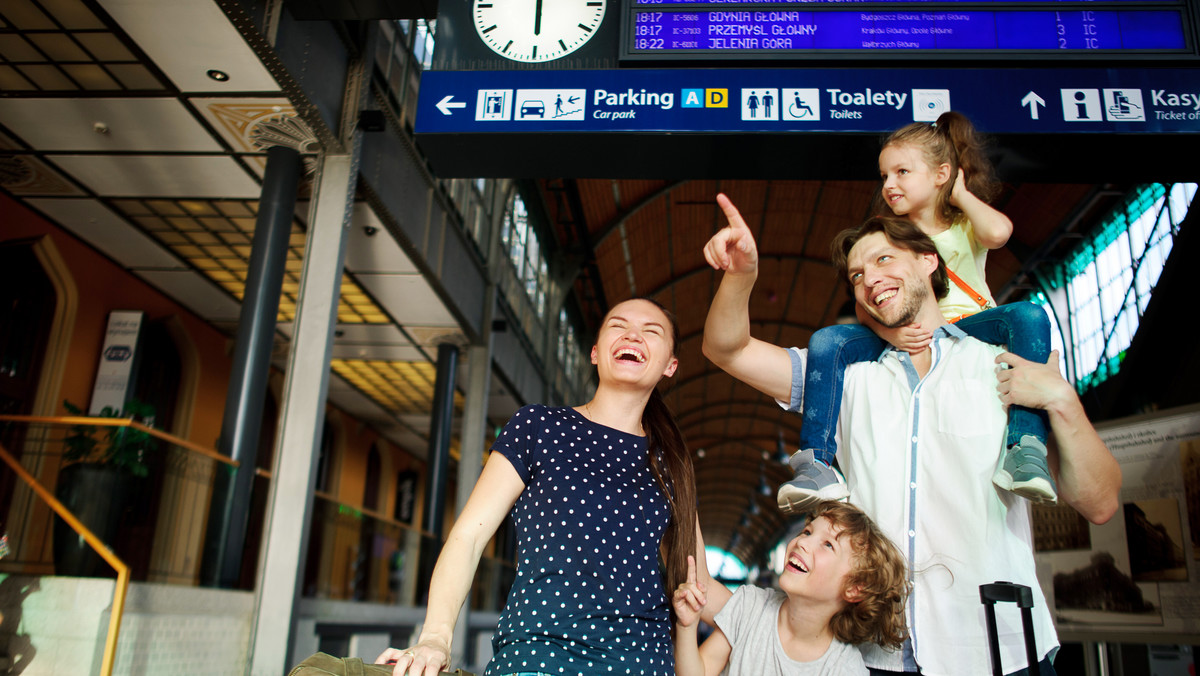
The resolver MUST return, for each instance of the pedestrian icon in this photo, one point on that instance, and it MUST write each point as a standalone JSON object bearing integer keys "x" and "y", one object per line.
{"x": 1124, "y": 105}
{"x": 760, "y": 104}
{"x": 1081, "y": 105}
{"x": 550, "y": 104}
{"x": 800, "y": 105}
{"x": 493, "y": 104}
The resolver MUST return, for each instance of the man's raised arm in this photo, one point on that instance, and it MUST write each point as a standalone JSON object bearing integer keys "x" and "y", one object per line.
{"x": 727, "y": 340}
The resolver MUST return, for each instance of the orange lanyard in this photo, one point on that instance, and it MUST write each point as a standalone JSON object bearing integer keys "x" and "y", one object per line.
{"x": 975, "y": 295}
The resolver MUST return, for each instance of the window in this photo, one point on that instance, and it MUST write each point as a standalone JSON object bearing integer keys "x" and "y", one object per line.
{"x": 525, "y": 252}
{"x": 1108, "y": 280}
{"x": 569, "y": 351}
{"x": 423, "y": 43}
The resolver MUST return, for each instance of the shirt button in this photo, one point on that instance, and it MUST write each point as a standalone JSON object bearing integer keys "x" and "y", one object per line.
{"x": 912, "y": 533}
{"x": 914, "y": 440}
{"x": 912, "y": 485}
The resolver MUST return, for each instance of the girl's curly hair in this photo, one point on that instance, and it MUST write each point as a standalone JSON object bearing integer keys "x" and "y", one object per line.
{"x": 879, "y": 577}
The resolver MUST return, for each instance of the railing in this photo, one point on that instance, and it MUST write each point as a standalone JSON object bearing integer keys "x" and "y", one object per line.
{"x": 360, "y": 555}
{"x": 161, "y": 532}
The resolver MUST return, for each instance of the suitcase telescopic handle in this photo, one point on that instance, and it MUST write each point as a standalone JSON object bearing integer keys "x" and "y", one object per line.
{"x": 1008, "y": 592}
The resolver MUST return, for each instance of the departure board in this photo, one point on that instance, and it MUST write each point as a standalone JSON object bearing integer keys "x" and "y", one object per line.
{"x": 689, "y": 29}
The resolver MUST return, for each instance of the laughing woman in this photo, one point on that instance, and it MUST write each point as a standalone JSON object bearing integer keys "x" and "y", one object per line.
{"x": 596, "y": 492}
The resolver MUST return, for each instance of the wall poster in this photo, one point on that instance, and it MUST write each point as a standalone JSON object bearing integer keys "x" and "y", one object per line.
{"x": 1136, "y": 578}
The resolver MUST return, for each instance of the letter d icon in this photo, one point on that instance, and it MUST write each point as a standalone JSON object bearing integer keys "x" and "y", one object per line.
{"x": 716, "y": 98}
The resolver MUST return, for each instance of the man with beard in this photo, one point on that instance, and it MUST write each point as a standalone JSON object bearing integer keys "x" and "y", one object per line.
{"x": 918, "y": 438}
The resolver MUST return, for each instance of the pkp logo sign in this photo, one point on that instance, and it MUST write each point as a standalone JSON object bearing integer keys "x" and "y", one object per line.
{"x": 118, "y": 353}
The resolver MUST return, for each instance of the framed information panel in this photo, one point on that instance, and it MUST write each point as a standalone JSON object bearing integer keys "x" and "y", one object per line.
{"x": 800, "y": 29}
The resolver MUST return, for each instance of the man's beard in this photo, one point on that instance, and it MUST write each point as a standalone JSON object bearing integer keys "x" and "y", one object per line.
{"x": 914, "y": 298}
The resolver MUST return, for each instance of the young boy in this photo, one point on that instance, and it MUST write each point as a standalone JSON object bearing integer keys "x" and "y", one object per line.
{"x": 844, "y": 583}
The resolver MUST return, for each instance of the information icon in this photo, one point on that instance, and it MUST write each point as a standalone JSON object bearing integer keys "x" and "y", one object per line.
{"x": 1081, "y": 105}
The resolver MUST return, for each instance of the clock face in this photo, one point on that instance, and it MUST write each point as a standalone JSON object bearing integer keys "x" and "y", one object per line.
{"x": 537, "y": 30}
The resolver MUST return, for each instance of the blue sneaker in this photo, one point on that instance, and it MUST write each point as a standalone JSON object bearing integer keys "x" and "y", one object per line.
{"x": 1024, "y": 471}
{"x": 814, "y": 482}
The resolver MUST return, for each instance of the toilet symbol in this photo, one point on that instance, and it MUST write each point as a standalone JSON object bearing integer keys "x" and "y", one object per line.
{"x": 760, "y": 105}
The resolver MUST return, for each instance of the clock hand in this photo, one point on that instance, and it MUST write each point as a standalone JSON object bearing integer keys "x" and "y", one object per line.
{"x": 537, "y": 19}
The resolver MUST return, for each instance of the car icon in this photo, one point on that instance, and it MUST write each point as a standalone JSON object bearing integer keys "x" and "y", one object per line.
{"x": 531, "y": 108}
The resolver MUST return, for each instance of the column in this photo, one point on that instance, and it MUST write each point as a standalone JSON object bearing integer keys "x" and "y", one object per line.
{"x": 226, "y": 534}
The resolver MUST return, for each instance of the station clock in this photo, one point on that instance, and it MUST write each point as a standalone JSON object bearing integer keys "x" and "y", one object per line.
{"x": 534, "y": 31}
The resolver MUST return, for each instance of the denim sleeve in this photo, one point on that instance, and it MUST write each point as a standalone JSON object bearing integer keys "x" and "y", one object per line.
{"x": 799, "y": 364}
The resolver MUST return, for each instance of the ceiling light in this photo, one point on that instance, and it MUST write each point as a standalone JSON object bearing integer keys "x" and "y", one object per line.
{"x": 218, "y": 75}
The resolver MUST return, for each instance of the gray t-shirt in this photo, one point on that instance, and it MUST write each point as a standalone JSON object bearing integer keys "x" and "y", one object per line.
{"x": 749, "y": 621}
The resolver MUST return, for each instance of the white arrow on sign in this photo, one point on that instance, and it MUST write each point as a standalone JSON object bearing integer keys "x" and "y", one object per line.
{"x": 1033, "y": 101}
{"x": 445, "y": 105}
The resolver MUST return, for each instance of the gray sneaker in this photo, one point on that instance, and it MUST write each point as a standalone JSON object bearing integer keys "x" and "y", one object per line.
{"x": 814, "y": 482}
{"x": 1023, "y": 471}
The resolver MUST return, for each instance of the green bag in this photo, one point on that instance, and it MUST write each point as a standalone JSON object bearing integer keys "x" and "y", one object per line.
{"x": 322, "y": 664}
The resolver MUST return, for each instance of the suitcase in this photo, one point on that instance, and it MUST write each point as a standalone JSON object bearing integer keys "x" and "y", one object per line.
{"x": 1008, "y": 592}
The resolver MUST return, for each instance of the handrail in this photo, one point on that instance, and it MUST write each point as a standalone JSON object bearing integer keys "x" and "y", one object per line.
{"x": 121, "y": 422}
{"x": 114, "y": 619}
{"x": 378, "y": 516}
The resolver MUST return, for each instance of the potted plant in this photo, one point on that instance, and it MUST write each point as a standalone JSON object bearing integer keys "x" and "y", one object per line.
{"x": 104, "y": 470}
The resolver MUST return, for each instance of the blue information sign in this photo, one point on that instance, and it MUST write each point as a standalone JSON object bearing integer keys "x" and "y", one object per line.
{"x": 1016, "y": 101}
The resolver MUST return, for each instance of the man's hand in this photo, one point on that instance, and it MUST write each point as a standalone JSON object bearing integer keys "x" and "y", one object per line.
{"x": 732, "y": 249}
{"x": 690, "y": 597}
{"x": 1089, "y": 478}
{"x": 1032, "y": 385}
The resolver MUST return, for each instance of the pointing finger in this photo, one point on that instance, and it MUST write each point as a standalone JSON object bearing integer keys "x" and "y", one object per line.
{"x": 731, "y": 212}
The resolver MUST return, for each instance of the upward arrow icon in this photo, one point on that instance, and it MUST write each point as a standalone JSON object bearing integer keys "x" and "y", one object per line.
{"x": 1033, "y": 101}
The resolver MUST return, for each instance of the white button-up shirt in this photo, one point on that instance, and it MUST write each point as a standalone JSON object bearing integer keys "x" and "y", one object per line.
{"x": 918, "y": 455}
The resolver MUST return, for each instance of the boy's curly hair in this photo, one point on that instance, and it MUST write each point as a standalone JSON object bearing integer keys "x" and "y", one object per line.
{"x": 880, "y": 574}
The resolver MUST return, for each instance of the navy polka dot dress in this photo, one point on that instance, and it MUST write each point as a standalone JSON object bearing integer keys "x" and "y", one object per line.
{"x": 588, "y": 597}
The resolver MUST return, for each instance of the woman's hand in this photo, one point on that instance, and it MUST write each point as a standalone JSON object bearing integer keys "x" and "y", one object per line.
{"x": 429, "y": 657}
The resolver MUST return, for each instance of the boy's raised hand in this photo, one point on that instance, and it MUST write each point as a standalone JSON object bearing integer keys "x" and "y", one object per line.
{"x": 690, "y": 597}
{"x": 732, "y": 249}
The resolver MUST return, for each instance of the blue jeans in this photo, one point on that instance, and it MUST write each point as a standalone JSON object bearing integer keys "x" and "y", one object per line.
{"x": 1023, "y": 327}
{"x": 1045, "y": 668}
